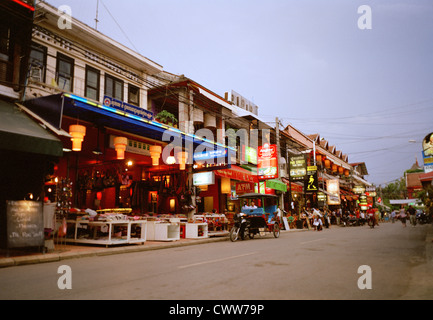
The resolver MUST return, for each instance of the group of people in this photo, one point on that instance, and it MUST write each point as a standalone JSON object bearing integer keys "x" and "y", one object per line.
{"x": 324, "y": 218}
{"x": 403, "y": 214}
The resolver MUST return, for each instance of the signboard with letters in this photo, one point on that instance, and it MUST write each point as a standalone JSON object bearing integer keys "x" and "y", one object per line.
{"x": 267, "y": 163}
{"x": 128, "y": 108}
{"x": 298, "y": 168}
{"x": 25, "y": 224}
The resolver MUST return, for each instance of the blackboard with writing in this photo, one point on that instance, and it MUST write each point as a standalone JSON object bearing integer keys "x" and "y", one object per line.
{"x": 25, "y": 224}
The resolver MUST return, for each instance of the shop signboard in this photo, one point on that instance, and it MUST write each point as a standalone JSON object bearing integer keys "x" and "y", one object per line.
{"x": 210, "y": 160}
{"x": 244, "y": 187}
{"x": 333, "y": 189}
{"x": 427, "y": 147}
{"x": 358, "y": 189}
{"x": 267, "y": 162}
{"x": 311, "y": 183}
{"x": 298, "y": 168}
{"x": 363, "y": 202}
{"x": 203, "y": 178}
{"x": 25, "y": 224}
{"x": 128, "y": 108}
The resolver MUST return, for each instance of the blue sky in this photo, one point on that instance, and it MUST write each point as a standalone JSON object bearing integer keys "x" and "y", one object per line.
{"x": 366, "y": 91}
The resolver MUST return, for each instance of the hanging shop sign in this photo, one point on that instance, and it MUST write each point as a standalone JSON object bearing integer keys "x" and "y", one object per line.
{"x": 210, "y": 160}
{"x": 267, "y": 163}
{"x": 358, "y": 189}
{"x": 203, "y": 178}
{"x": 128, "y": 108}
{"x": 311, "y": 183}
{"x": 333, "y": 189}
{"x": 370, "y": 191}
{"x": 298, "y": 168}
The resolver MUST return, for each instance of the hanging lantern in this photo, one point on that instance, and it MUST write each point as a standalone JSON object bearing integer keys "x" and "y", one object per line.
{"x": 319, "y": 158}
{"x": 155, "y": 153}
{"x": 346, "y": 172}
{"x": 327, "y": 164}
{"x": 77, "y": 132}
{"x": 120, "y": 146}
{"x": 225, "y": 186}
{"x": 334, "y": 168}
{"x": 340, "y": 170}
{"x": 181, "y": 159}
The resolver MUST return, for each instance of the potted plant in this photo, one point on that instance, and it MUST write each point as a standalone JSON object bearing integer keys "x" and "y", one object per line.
{"x": 166, "y": 117}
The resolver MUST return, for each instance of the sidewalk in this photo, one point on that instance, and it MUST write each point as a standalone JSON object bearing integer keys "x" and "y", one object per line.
{"x": 70, "y": 251}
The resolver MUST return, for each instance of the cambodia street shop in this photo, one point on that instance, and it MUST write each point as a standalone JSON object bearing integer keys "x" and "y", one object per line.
{"x": 118, "y": 171}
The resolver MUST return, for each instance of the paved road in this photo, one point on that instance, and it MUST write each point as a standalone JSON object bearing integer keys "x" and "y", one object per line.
{"x": 298, "y": 265}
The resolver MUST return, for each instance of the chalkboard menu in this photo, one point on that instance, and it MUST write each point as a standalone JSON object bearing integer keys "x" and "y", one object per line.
{"x": 25, "y": 224}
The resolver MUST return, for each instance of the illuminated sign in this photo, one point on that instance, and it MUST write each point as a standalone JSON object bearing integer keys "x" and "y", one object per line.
{"x": 298, "y": 168}
{"x": 333, "y": 189}
{"x": 128, "y": 108}
{"x": 267, "y": 164}
{"x": 203, "y": 178}
{"x": 311, "y": 183}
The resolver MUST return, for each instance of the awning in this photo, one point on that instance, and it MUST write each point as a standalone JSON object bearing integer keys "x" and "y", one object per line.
{"x": 237, "y": 173}
{"x": 53, "y": 108}
{"x": 276, "y": 185}
{"x": 295, "y": 186}
{"x": 18, "y": 132}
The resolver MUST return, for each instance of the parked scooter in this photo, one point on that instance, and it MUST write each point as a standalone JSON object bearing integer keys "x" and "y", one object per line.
{"x": 240, "y": 228}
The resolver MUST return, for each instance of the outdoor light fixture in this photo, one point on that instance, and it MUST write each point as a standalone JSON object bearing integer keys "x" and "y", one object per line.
{"x": 77, "y": 132}
{"x": 225, "y": 186}
{"x": 120, "y": 146}
{"x": 155, "y": 153}
{"x": 181, "y": 158}
{"x": 171, "y": 160}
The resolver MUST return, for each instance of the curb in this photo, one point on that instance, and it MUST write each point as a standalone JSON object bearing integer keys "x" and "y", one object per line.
{"x": 55, "y": 257}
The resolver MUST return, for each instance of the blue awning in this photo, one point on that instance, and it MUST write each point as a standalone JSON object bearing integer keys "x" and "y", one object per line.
{"x": 53, "y": 108}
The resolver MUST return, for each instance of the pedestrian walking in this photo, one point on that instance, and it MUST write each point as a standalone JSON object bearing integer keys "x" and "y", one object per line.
{"x": 412, "y": 215}
{"x": 403, "y": 216}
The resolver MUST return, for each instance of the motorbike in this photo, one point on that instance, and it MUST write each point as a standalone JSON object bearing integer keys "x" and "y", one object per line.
{"x": 422, "y": 218}
{"x": 240, "y": 228}
{"x": 370, "y": 220}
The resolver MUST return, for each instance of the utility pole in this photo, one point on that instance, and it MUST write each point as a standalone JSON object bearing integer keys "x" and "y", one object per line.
{"x": 277, "y": 134}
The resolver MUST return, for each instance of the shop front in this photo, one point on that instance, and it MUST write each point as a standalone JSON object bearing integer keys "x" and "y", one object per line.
{"x": 28, "y": 152}
{"x": 127, "y": 182}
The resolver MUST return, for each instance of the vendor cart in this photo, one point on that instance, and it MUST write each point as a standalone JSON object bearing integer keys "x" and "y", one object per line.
{"x": 257, "y": 221}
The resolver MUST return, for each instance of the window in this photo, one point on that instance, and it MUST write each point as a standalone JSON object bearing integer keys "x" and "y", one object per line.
{"x": 65, "y": 72}
{"x": 133, "y": 95}
{"x": 113, "y": 87}
{"x": 92, "y": 83}
{"x": 38, "y": 62}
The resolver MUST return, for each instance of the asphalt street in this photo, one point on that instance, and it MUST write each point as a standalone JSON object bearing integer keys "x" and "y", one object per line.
{"x": 296, "y": 266}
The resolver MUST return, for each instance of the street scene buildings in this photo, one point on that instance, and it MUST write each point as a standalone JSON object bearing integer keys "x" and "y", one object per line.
{"x": 103, "y": 146}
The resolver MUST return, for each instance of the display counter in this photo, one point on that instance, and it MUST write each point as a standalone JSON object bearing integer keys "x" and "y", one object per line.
{"x": 163, "y": 231}
{"x": 106, "y": 232}
{"x": 218, "y": 224}
{"x": 194, "y": 230}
